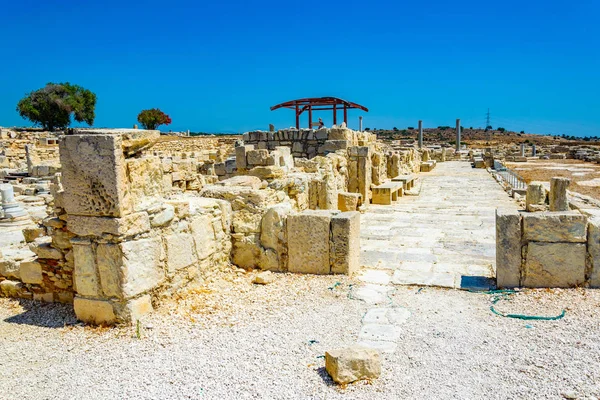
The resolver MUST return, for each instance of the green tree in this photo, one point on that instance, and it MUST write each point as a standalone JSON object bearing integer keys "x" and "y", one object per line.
{"x": 501, "y": 130}
{"x": 52, "y": 106}
{"x": 153, "y": 118}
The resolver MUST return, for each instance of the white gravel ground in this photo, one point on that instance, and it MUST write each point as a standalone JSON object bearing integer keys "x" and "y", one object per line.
{"x": 244, "y": 341}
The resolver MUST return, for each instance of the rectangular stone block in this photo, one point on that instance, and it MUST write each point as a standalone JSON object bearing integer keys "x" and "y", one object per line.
{"x": 568, "y": 226}
{"x": 508, "y": 248}
{"x": 93, "y": 175}
{"x": 31, "y": 272}
{"x": 308, "y": 242}
{"x": 85, "y": 276}
{"x": 204, "y": 235}
{"x": 96, "y": 312}
{"x": 554, "y": 265}
{"x": 257, "y": 157}
{"x": 348, "y": 201}
{"x": 593, "y": 248}
{"x": 345, "y": 243}
{"x": 180, "y": 251}
{"x": 132, "y": 224}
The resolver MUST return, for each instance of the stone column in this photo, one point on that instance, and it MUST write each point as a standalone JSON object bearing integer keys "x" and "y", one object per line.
{"x": 522, "y": 149}
{"x": 558, "y": 194}
{"x": 533, "y": 151}
{"x": 458, "y": 134}
{"x": 10, "y": 207}
{"x": 360, "y": 124}
{"x": 29, "y": 159}
{"x": 420, "y": 134}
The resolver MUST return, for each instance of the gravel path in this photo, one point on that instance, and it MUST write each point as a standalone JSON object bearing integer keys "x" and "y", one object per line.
{"x": 235, "y": 340}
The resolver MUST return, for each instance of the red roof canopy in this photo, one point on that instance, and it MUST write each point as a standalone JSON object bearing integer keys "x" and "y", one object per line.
{"x": 318, "y": 104}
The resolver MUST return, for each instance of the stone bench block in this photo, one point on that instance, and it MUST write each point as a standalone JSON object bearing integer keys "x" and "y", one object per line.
{"x": 96, "y": 312}
{"x": 349, "y": 201}
{"x": 554, "y": 264}
{"x": 308, "y": 242}
{"x": 568, "y": 226}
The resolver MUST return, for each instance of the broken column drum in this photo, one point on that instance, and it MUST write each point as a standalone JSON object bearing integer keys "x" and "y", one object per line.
{"x": 420, "y": 134}
{"x": 558, "y": 194}
{"x": 457, "y": 134}
{"x": 10, "y": 207}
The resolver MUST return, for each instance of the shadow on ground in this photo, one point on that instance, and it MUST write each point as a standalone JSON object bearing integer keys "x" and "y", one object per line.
{"x": 46, "y": 315}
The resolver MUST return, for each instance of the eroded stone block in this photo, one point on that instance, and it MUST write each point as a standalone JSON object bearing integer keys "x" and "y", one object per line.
{"x": 345, "y": 243}
{"x": 555, "y": 227}
{"x": 95, "y": 312}
{"x": 508, "y": 248}
{"x": 554, "y": 264}
{"x": 31, "y": 272}
{"x": 180, "y": 251}
{"x": 308, "y": 242}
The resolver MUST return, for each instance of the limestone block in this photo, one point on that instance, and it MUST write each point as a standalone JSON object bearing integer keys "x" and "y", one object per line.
{"x": 340, "y": 134}
{"x": 141, "y": 269}
{"x": 345, "y": 243}
{"x": 352, "y": 364}
{"x": 181, "y": 207}
{"x": 508, "y": 248}
{"x": 164, "y": 217}
{"x": 568, "y": 226}
{"x": 308, "y": 242}
{"x": 242, "y": 180}
{"x": 593, "y": 248}
{"x": 240, "y": 156}
{"x": 554, "y": 264}
{"x": 257, "y": 157}
{"x": 273, "y": 226}
{"x": 264, "y": 278}
{"x": 96, "y": 312}
{"x": 132, "y": 224}
{"x": 349, "y": 201}
{"x": 270, "y": 172}
{"x": 181, "y": 251}
{"x": 331, "y": 146}
{"x": 85, "y": 275}
{"x": 62, "y": 239}
{"x": 94, "y": 175}
{"x": 31, "y": 272}
{"x": 558, "y": 194}
{"x": 246, "y": 221}
{"x": 536, "y": 197}
{"x": 204, "y": 236}
{"x": 30, "y": 234}
{"x": 135, "y": 309}
{"x": 246, "y": 251}
{"x": 145, "y": 179}
{"x": 41, "y": 247}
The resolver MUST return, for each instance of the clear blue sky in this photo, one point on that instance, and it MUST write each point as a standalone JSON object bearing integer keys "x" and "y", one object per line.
{"x": 219, "y": 65}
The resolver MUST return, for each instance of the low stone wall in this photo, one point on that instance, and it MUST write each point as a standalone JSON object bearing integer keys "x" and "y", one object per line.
{"x": 547, "y": 249}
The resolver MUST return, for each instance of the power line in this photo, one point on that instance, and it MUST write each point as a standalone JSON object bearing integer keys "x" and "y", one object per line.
{"x": 487, "y": 120}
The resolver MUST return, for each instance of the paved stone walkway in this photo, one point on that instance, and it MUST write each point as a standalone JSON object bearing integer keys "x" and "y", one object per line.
{"x": 445, "y": 236}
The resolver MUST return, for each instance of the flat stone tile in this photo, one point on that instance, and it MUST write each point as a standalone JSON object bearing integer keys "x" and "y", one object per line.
{"x": 375, "y": 276}
{"x": 384, "y": 347}
{"x": 379, "y": 332}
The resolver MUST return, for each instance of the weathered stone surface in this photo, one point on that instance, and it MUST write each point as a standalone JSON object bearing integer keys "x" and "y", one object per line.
{"x": 204, "y": 236}
{"x": 242, "y": 180}
{"x": 9, "y": 269}
{"x": 142, "y": 269}
{"x": 30, "y": 234}
{"x": 85, "y": 276}
{"x": 273, "y": 235}
{"x": 554, "y": 264}
{"x": 257, "y": 157}
{"x": 137, "y": 308}
{"x": 31, "y": 272}
{"x": 270, "y": 172}
{"x": 593, "y": 248}
{"x": 345, "y": 243}
{"x": 132, "y": 224}
{"x": 536, "y": 197}
{"x": 93, "y": 175}
{"x": 353, "y": 364}
{"x": 41, "y": 247}
{"x": 246, "y": 251}
{"x": 62, "y": 239}
{"x": 308, "y": 242}
{"x": 96, "y": 312}
{"x": 144, "y": 180}
{"x": 555, "y": 227}
{"x": 163, "y": 217}
{"x": 558, "y": 194}
{"x": 180, "y": 251}
{"x": 508, "y": 248}
{"x": 348, "y": 201}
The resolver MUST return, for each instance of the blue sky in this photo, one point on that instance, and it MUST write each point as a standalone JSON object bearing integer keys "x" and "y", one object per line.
{"x": 218, "y": 66}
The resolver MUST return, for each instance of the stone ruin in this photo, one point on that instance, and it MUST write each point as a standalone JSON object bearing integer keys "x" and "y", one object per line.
{"x": 128, "y": 224}
{"x": 548, "y": 244}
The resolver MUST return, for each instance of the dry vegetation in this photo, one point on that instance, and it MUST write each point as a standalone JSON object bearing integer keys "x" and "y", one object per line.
{"x": 580, "y": 173}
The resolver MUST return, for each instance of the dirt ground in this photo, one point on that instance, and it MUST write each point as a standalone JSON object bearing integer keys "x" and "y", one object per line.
{"x": 585, "y": 176}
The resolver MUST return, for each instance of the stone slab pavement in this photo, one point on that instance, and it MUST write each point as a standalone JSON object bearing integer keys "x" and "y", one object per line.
{"x": 445, "y": 237}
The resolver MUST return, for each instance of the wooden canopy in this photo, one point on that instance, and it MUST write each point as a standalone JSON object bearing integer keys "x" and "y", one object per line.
{"x": 318, "y": 104}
